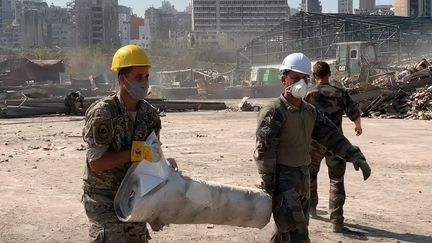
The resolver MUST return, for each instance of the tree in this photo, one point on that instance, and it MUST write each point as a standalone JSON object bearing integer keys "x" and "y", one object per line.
{"x": 167, "y": 7}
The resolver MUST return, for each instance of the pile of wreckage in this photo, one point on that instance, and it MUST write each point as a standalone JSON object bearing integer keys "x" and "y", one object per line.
{"x": 405, "y": 93}
{"x": 42, "y": 87}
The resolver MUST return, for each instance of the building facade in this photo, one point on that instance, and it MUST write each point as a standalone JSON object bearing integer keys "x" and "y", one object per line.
{"x": 7, "y": 13}
{"x": 58, "y": 24}
{"x": 345, "y": 6}
{"x": 166, "y": 26}
{"x": 95, "y": 22}
{"x": 158, "y": 27}
{"x": 312, "y": 6}
{"x": 140, "y": 32}
{"x": 367, "y": 6}
{"x": 233, "y": 23}
{"x": 31, "y": 17}
{"x": 124, "y": 18}
{"x": 415, "y": 8}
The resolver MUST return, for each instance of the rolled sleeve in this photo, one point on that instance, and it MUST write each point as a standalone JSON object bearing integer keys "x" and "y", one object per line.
{"x": 351, "y": 107}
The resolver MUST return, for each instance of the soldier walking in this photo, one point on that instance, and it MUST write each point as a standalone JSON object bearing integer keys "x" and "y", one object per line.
{"x": 286, "y": 127}
{"x": 333, "y": 102}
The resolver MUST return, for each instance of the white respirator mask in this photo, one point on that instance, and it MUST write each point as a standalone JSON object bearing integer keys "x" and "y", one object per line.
{"x": 298, "y": 89}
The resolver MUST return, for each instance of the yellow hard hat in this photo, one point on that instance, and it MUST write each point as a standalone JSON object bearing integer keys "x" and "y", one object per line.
{"x": 129, "y": 56}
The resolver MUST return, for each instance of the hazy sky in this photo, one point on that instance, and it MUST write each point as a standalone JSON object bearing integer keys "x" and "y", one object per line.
{"x": 139, "y": 6}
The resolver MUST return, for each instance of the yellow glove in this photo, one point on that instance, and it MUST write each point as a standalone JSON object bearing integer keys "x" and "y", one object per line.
{"x": 141, "y": 151}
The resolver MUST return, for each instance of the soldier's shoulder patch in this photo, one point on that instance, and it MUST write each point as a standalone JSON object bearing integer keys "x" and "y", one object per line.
{"x": 102, "y": 131}
{"x": 99, "y": 124}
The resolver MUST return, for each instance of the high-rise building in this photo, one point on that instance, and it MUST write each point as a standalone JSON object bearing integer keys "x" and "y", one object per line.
{"x": 95, "y": 22}
{"x": 31, "y": 17}
{"x": 58, "y": 24}
{"x": 345, "y": 6}
{"x": 140, "y": 32}
{"x": 311, "y": 6}
{"x": 418, "y": 8}
{"x": 163, "y": 25}
{"x": 233, "y": 23}
{"x": 124, "y": 18}
{"x": 367, "y": 5}
{"x": 7, "y": 11}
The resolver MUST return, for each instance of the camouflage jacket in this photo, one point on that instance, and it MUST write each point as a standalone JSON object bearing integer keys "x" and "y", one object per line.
{"x": 108, "y": 127}
{"x": 333, "y": 102}
{"x": 279, "y": 117}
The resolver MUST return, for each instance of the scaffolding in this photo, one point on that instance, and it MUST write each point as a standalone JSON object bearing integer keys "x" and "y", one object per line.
{"x": 317, "y": 35}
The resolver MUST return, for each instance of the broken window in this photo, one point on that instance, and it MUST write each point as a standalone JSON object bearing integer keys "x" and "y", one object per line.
{"x": 353, "y": 54}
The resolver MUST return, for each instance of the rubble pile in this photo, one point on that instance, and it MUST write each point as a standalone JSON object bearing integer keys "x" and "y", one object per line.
{"x": 404, "y": 91}
{"x": 245, "y": 105}
{"x": 421, "y": 104}
{"x": 386, "y": 81}
{"x": 400, "y": 104}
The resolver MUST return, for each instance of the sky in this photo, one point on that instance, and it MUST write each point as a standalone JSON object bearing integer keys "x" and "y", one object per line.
{"x": 139, "y": 6}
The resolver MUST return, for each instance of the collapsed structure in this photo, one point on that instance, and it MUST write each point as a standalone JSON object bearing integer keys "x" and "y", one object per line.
{"x": 315, "y": 35}
{"x": 361, "y": 47}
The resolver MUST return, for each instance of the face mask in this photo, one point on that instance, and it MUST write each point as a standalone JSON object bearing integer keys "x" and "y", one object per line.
{"x": 298, "y": 89}
{"x": 138, "y": 90}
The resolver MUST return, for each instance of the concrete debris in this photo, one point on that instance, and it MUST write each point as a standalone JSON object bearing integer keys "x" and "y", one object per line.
{"x": 400, "y": 104}
{"x": 82, "y": 148}
{"x": 399, "y": 76}
{"x": 246, "y": 106}
{"x": 404, "y": 92}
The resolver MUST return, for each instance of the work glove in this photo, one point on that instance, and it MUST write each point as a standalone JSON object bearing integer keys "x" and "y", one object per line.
{"x": 142, "y": 151}
{"x": 363, "y": 165}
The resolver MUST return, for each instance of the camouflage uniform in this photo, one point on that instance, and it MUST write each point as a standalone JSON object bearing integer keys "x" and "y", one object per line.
{"x": 283, "y": 135}
{"x": 332, "y": 102}
{"x": 108, "y": 127}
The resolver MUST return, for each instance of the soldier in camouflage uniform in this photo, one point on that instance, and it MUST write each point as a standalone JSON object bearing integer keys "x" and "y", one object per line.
{"x": 70, "y": 101}
{"x": 286, "y": 127}
{"x": 112, "y": 125}
{"x": 333, "y": 102}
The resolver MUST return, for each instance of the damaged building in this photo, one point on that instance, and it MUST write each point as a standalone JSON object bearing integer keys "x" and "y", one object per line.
{"x": 35, "y": 24}
{"x": 408, "y": 8}
{"x": 23, "y": 71}
{"x": 231, "y": 24}
{"x": 312, "y": 6}
{"x": 95, "y": 22}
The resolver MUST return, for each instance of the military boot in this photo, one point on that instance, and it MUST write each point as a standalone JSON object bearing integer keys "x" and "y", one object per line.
{"x": 339, "y": 227}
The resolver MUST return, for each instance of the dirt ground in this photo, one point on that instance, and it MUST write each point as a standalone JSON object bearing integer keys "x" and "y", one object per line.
{"x": 42, "y": 160}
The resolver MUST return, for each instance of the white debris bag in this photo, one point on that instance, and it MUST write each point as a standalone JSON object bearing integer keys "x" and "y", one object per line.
{"x": 156, "y": 193}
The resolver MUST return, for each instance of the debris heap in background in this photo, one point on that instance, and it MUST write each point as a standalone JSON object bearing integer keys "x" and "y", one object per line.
{"x": 404, "y": 92}
{"x": 421, "y": 104}
{"x": 401, "y": 104}
{"x": 245, "y": 105}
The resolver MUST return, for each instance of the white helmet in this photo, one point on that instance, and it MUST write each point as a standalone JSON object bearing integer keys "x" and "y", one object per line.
{"x": 297, "y": 62}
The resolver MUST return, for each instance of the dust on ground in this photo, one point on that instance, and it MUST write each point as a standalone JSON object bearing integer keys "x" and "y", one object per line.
{"x": 42, "y": 161}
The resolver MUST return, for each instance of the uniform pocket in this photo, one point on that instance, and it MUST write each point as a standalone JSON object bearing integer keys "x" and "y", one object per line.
{"x": 288, "y": 211}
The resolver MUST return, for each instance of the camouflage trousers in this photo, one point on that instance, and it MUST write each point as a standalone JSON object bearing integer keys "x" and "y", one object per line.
{"x": 291, "y": 204}
{"x": 104, "y": 224}
{"x": 336, "y": 171}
